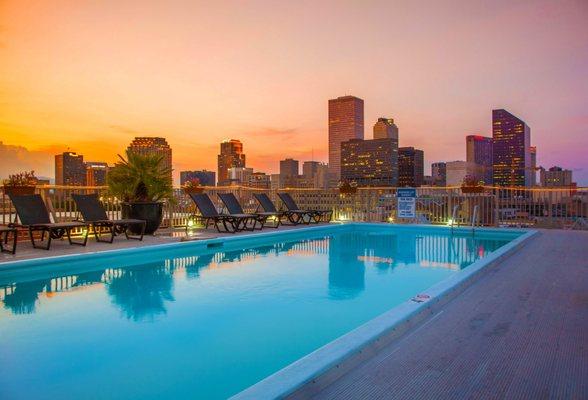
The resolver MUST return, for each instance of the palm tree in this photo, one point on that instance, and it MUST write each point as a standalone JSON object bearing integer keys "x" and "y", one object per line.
{"x": 140, "y": 178}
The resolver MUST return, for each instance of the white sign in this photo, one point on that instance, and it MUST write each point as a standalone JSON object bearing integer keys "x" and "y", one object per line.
{"x": 406, "y": 203}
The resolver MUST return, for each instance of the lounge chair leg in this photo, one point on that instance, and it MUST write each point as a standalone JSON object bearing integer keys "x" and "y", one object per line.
{"x": 5, "y": 241}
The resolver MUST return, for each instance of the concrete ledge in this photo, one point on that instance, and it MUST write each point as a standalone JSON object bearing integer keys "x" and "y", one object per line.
{"x": 321, "y": 367}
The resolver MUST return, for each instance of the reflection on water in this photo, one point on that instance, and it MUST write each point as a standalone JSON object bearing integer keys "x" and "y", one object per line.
{"x": 140, "y": 292}
{"x": 143, "y": 292}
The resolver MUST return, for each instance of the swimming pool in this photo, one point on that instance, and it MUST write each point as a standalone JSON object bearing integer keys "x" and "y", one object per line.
{"x": 209, "y": 319}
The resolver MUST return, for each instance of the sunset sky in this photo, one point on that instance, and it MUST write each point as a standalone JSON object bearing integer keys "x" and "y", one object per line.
{"x": 91, "y": 75}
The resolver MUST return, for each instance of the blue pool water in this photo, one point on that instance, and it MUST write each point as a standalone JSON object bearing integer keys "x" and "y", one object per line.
{"x": 192, "y": 322}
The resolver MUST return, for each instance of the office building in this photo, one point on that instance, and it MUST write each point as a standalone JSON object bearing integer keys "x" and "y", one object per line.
{"x": 239, "y": 176}
{"x": 154, "y": 146}
{"x": 370, "y": 162}
{"x": 96, "y": 173}
{"x": 439, "y": 174}
{"x": 289, "y": 168}
{"x": 316, "y": 173}
{"x": 533, "y": 152}
{"x": 385, "y": 129}
{"x": 345, "y": 123}
{"x": 511, "y": 148}
{"x": 556, "y": 177}
{"x": 479, "y": 151}
{"x": 70, "y": 169}
{"x": 411, "y": 165}
{"x": 259, "y": 180}
{"x": 231, "y": 156}
{"x": 457, "y": 171}
{"x": 206, "y": 178}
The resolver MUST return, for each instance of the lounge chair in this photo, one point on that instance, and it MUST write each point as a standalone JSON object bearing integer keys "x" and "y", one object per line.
{"x": 268, "y": 206}
{"x": 4, "y": 236}
{"x": 306, "y": 216}
{"x": 209, "y": 214}
{"x": 34, "y": 216}
{"x": 234, "y": 208}
{"x": 94, "y": 213}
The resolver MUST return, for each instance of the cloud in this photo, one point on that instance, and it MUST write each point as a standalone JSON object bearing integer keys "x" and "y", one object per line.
{"x": 18, "y": 158}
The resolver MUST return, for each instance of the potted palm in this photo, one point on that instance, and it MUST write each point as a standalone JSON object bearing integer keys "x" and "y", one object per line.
{"x": 21, "y": 183}
{"x": 142, "y": 183}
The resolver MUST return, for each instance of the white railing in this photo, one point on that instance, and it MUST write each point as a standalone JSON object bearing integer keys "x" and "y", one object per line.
{"x": 539, "y": 207}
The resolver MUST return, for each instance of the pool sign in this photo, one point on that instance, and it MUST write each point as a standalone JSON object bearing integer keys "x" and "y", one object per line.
{"x": 406, "y": 203}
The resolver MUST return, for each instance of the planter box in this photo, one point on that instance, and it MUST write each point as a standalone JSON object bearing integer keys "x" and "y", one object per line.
{"x": 19, "y": 190}
{"x": 193, "y": 190}
{"x": 472, "y": 189}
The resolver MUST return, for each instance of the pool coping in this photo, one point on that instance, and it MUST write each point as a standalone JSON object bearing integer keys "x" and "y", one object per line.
{"x": 315, "y": 370}
{"x": 49, "y": 260}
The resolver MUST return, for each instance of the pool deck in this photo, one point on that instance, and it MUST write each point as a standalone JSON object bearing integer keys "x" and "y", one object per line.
{"x": 25, "y": 250}
{"x": 519, "y": 332}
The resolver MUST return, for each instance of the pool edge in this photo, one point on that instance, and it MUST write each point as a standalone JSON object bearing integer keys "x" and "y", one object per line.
{"x": 317, "y": 369}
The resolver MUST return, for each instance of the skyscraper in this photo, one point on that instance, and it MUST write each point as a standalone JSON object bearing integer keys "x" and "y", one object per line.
{"x": 439, "y": 173}
{"x": 385, "y": 128}
{"x": 70, "y": 169}
{"x": 289, "y": 168}
{"x": 533, "y": 151}
{"x": 345, "y": 123}
{"x": 511, "y": 142}
{"x": 479, "y": 151}
{"x": 206, "y": 178}
{"x": 556, "y": 177}
{"x": 310, "y": 168}
{"x": 154, "y": 146}
{"x": 411, "y": 166}
{"x": 370, "y": 162}
{"x": 231, "y": 156}
{"x": 96, "y": 173}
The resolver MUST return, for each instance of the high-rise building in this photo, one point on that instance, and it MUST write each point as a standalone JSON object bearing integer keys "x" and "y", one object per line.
{"x": 154, "y": 146}
{"x": 439, "y": 174}
{"x": 457, "y": 171}
{"x": 231, "y": 156}
{"x": 259, "y": 180}
{"x": 310, "y": 168}
{"x": 385, "y": 128}
{"x": 345, "y": 123}
{"x": 533, "y": 152}
{"x": 70, "y": 169}
{"x": 556, "y": 177}
{"x": 206, "y": 178}
{"x": 411, "y": 166}
{"x": 239, "y": 176}
{"x": 96, "y": 173}
{"x": 479, "y": 151}
{"x": 511, "y": 148}
{"x": 370, "y": 162}
{"x": 289, "y": 168}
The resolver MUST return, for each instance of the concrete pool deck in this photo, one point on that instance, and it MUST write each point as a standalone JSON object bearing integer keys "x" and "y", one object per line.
{"x": 61, "y": 247}
{"x": 520, "y": 332}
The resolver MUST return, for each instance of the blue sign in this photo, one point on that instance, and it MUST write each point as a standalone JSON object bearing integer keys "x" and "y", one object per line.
{"x": 406, "y": 202}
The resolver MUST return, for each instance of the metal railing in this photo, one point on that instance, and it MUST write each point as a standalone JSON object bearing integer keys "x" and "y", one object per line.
{"x": 539, "y": 207}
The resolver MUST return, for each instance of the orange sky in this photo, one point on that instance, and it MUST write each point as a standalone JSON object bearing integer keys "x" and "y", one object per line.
{"x": 90, "y": 76}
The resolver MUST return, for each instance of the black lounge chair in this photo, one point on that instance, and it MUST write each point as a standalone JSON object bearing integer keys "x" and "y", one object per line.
{"x": 268, "y": 206}
{"x": 94, "y": 213}
{"x": 209, "y": 214}
{"x": 34, "y": 216}
{"x": 234, "y": 208}
{"x": 4, "y": 236}
{"x": 307, "y": 216}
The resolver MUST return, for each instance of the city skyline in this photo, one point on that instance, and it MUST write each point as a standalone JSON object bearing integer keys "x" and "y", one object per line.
{"x": 96, "y": 94}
